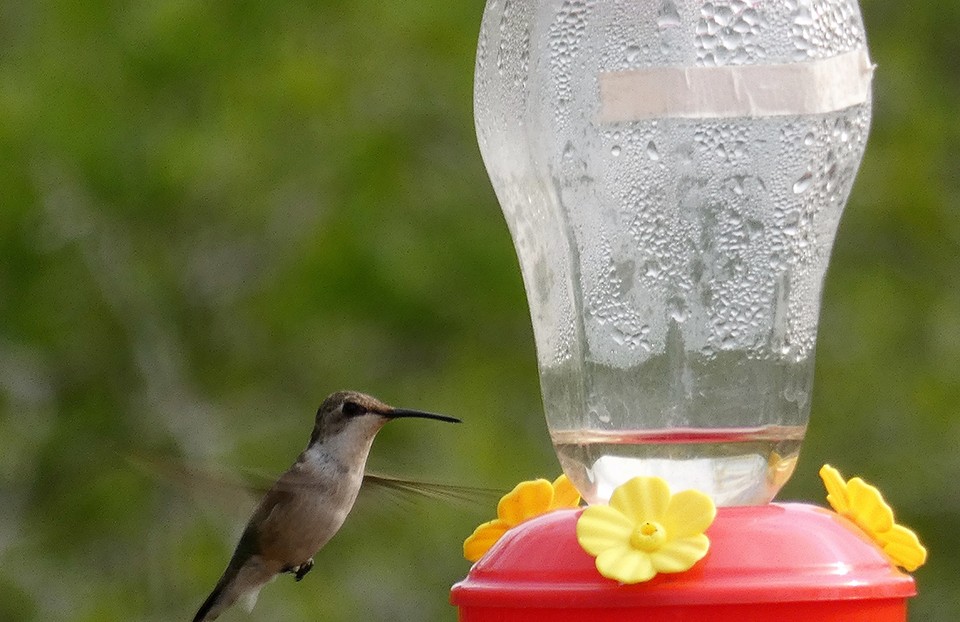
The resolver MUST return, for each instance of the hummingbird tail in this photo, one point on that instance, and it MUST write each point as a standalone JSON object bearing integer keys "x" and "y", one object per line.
{"x": 235, "y": 584}
{"x": 205, "y": 612}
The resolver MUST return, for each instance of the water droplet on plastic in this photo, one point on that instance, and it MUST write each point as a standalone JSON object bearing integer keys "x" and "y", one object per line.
{"x": 679, "y": 314}
{"x": 738, "y": 184}
{"x": 750, "y": 16}
{"x": 615, "y": 150}
{"x": 803, "y": 184}
{"x": 708, "y": 42}
{"x": 803, "y": 17}
{"x": 652, "y": 152}
{"x": 669, "y": 16}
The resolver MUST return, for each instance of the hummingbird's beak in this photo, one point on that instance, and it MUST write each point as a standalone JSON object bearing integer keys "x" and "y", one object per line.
{"x": 398, "y": 413}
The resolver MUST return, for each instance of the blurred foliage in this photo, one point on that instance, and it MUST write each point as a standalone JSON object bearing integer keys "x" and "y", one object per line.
{"x": 215, "y": 213}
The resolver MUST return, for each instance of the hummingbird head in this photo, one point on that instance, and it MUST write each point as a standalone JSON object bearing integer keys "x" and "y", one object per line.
{"x": 354, "y": 414}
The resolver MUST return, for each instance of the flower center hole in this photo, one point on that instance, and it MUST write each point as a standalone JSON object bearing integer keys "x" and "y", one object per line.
{"x": 648, "y": 536}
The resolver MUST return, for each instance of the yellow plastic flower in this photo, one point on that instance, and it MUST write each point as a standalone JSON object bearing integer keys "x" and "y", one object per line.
{"x": 525, "y": 501}
{"x": 646, "y": 530}
{"x": 864, "y": 505}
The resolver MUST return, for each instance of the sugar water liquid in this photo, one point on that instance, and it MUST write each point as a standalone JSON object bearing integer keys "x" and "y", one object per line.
{"x": 734, "y": 466}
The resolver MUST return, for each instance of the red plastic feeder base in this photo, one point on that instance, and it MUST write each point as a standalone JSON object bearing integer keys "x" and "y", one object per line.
{"x": 776, "y": 563}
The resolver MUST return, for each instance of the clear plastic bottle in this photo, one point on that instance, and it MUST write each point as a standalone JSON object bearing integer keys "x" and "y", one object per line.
{"x": 673, "y": 241}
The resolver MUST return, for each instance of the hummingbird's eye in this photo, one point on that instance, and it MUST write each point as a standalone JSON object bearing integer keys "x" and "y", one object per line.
{"x": 352, "y": 409}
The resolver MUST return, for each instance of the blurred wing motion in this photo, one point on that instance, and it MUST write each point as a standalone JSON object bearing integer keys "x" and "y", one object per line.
{"x": 204, "y": 484}
{"x": 432, "y": 490}
{"x": 222, "y": 487}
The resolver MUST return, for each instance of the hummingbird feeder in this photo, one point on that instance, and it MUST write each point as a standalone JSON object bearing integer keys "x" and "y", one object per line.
{"x": 673, "y": 173}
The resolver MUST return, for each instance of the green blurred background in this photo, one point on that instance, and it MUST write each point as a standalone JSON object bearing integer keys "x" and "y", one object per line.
{"x": 215, "y": 213}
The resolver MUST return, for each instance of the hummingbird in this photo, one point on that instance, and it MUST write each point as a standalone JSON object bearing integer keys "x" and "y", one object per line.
{"x": 308, "y": 504}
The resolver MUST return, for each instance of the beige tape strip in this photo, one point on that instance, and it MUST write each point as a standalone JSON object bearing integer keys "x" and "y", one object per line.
{"x": 813, "y": 87}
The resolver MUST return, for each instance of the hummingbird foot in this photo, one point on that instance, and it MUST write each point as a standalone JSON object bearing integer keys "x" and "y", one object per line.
{"x": 301, "y": 570}
{"x": 304, "y": 568}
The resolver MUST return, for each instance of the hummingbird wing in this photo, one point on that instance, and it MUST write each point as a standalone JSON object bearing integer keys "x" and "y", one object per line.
{"x": 432, "y": 490}
{"x": 205, "y": 484}
{"x": 401, "y": 487}
{"x": 223, "y": 486}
